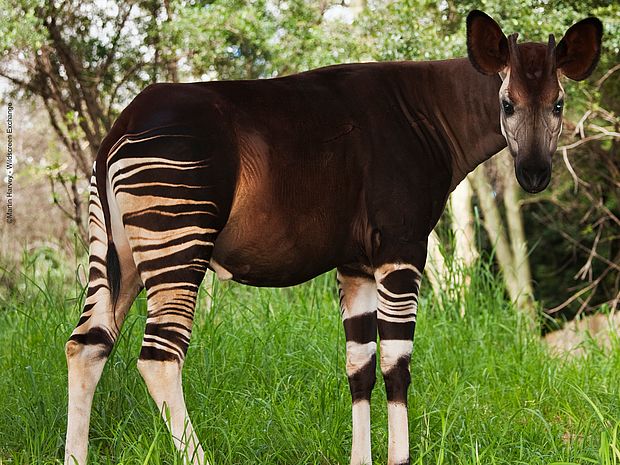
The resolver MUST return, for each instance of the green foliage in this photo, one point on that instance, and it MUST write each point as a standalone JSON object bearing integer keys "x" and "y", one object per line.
{"x": 419, "y": 29}
{"x": 242, "y": 40}
{"x": 20, "y": 29}
{"x": 265, "y": 382}
{"x": 422, "y": 30}
{"x": 232, "y": 39}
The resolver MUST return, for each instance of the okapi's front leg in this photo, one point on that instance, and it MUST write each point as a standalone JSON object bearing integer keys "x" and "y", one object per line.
{"x": 397, "y": 295}
{"x": 358, "y": 303}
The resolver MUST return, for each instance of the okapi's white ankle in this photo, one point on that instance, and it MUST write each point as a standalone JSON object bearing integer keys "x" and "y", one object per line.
{"x": 85, "y": 364}
{"x": 360, "y": 447}
{"x": 398, "y": 434}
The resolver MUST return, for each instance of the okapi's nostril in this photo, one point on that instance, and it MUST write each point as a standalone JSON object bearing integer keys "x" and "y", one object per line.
{"x": 531, "y": 176}
{"x": 533, "y": 179}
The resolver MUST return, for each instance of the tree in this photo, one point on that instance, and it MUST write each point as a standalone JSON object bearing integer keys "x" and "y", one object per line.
{"x": 82, "y": 62}
{"x": 507, "y": 236}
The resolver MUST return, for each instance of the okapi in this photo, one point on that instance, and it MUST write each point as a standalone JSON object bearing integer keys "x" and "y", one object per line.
{"x": 273, "y": 182}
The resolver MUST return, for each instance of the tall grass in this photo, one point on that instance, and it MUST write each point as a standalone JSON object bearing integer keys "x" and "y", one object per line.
{"x": 265, "y": 383}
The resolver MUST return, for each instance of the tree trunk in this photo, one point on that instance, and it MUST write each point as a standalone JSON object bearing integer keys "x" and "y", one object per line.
{"x": 506, "y": 260}
{"x": 462, "y": 218}
{"x": 518, "y": 242}
{"x": 435, "y": 268}
{"x": 462, "y": 224}
{"x": 207, "y": 286}
{"x": 172, "y": 62}
{"x": 492, "y": 222}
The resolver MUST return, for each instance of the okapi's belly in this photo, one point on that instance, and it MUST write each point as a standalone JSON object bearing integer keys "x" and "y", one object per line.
{"x": 269, "y": 252}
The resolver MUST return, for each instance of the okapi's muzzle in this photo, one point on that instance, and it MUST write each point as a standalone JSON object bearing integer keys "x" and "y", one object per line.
{"x": 533, "y": 176}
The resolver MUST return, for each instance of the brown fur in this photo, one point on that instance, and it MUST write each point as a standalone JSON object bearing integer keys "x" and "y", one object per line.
{"x": 531, "y": 85}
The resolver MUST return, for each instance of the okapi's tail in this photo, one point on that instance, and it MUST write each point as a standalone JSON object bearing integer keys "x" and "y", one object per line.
{"x": 113, "y": 266}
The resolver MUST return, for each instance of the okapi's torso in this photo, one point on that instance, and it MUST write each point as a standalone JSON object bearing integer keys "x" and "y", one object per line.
{"x": 327, "y": 165}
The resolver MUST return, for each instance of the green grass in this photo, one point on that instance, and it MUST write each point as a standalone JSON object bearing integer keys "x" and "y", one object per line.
{"x": 265, "y": 384}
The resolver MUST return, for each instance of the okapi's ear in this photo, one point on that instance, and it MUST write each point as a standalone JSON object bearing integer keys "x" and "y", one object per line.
{"x": 579, "y": 50}
{"x": 487, "y": 46}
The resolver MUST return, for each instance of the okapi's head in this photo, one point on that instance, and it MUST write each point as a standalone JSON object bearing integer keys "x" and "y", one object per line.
{"x": 531, "y": 97}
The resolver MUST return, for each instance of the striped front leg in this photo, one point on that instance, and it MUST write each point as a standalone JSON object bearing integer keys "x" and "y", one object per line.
{"x": 397, "y": 296}
{"x": 358, "y": 303}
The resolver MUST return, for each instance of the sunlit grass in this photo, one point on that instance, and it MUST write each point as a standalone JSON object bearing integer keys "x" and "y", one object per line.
{"x": 265, "y": 384}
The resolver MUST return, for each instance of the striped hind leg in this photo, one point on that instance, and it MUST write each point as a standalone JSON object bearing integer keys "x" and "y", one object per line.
{"x": 170, "y": 214}
{"x": 358, "y": 303}
{"x": 170, "y": 315}
{"x": 172, "y": 276}
{"x": 91, "y": 342}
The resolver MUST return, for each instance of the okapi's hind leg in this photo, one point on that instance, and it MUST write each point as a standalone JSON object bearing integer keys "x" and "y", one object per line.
{"x": 172, "y": 276}
{"x": 91, "y": 342}
{"x": 358, "y": 303}
{"x": 170, "y": 211}
{"x": 168, "y": 328}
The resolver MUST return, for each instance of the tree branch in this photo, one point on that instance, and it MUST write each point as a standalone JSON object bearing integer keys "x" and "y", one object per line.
{"x": 121, "y": 20}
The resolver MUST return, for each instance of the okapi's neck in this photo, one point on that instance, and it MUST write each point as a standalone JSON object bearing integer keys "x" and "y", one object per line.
{"x": 465, "y": 104}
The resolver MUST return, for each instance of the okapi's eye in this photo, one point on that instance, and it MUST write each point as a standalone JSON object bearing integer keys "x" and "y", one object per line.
{"x": 508, "y": 107}
{"x": 557, "y": 108}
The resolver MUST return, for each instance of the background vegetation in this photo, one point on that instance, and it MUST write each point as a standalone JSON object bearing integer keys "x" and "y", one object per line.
{"x": 265, "y": 366}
